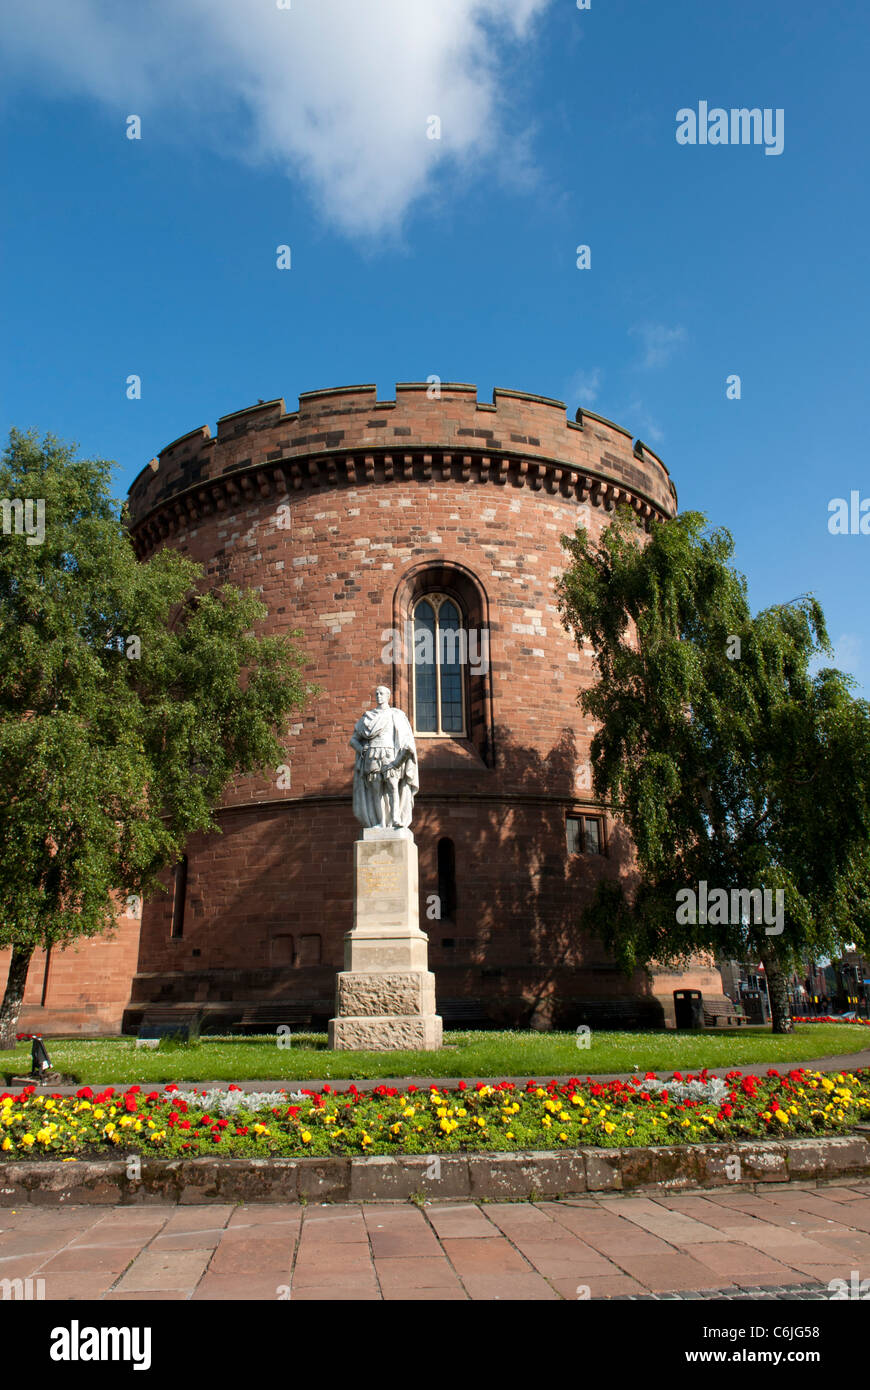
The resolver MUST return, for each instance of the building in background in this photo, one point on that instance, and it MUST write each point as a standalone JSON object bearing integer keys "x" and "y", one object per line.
{"x": 429, "y": 524}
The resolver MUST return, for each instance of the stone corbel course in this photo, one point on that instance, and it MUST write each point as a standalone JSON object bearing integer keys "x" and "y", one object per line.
{"x": 446, "y": 1177}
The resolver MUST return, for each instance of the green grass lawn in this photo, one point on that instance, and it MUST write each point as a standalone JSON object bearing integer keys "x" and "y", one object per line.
{"x": 471, "y": 1055}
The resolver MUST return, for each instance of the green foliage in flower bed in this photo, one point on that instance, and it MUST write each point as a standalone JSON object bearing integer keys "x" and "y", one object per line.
{"x": 467, "y": 1054}
{"x": 236, "y": 1124}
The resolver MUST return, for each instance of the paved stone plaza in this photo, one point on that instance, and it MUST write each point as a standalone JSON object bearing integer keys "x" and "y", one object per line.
{"x": 780, "y": 1243}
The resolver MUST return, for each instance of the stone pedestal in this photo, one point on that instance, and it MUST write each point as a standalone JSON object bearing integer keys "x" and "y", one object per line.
{"x": 385, "y": 996}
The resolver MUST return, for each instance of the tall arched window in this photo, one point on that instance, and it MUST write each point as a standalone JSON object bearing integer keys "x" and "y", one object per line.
{"x": 447, "y": 878}
{"x": 177, "y": 928}
{"x": 440, "y": 656}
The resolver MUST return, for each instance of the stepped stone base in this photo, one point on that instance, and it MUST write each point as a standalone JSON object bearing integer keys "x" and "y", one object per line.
{"x": 385, "y": 996}
{"x": 396, "y": 1032}
{"x": 376, "y": 994}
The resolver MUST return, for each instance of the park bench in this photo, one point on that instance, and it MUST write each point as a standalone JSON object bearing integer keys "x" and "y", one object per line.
{"x": 183, "y": 1023}
{"x": 463, "y": 1013}
{"x": 718, "y": 1013}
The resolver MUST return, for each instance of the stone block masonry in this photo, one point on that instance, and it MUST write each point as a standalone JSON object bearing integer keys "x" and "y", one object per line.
{"x": 343, "y": 514}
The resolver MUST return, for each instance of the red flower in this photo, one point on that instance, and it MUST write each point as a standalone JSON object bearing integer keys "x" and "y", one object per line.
{"x": 84, "y": 1094}
{"x": 184, "y": 1124}
{"x": 242, "y": 1129}
{"x": 234, "y": 1087}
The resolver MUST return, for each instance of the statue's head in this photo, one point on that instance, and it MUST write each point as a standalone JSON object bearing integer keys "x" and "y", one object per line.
{"x": 382, "y": 695}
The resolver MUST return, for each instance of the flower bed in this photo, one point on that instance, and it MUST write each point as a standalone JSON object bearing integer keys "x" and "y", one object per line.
{"x": 502, "y": 1117}
{"x": 831, "y": 1018}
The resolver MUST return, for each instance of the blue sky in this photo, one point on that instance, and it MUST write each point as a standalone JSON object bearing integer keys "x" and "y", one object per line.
{"x": 264, "y": 126}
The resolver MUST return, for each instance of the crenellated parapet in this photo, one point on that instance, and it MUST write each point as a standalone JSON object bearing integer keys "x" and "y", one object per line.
{"x": 345, "y": 437}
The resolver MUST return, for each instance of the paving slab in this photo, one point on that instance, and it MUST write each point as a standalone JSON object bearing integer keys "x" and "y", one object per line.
{"x": 728, "y": 1246}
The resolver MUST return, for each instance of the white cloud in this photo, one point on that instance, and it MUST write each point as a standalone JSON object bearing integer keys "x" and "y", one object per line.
{"x": 635, "y": 417}
{"x": 659, "y": 342}
{"x": 337, "y": 92}
{"x": 848, "y": 653}
{"x": 584, "y": 387}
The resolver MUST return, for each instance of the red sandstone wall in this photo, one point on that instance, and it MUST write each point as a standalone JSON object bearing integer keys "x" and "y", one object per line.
{"x": 87, "y": 986}
{"x": 331, "y": 512}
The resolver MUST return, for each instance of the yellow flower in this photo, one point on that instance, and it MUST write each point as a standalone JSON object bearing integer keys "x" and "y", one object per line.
{"x": 306, "y": 1136}
{"x": 609, "y": 1127}
{"x": 27, "y": 1140}
{"x": 781, "y": 1116}
{"x": 7, "y": 1143}
{"x": 563, "y": 1136}
{"x": 510, "y": 1135}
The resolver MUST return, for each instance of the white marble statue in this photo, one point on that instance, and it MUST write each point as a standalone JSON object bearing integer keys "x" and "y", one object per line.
{"x": 385, "y": 778}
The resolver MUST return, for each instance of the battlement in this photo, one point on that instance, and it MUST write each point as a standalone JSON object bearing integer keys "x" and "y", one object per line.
{"x": 338, "y": 423}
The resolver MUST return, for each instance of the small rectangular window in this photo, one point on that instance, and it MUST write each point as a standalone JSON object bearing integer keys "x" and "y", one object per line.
{"x": 592, "y": 832}
{"x": 584, "y": 835}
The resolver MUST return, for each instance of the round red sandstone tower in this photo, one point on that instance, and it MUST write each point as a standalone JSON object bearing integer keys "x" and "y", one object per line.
{"x": 365, "y": 524}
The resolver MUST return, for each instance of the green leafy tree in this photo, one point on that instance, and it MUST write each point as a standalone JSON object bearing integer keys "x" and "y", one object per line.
{"x": 129, "y": 699}
{"x": 731, "y": 761}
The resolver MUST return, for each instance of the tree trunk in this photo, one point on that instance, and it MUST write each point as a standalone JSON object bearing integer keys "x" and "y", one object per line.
{"x": 12, "y": 999}
{"x": 777, "y": 988}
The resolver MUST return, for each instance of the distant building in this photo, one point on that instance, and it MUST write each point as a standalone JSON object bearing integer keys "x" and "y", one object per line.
{"x": 430, "y": 523}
